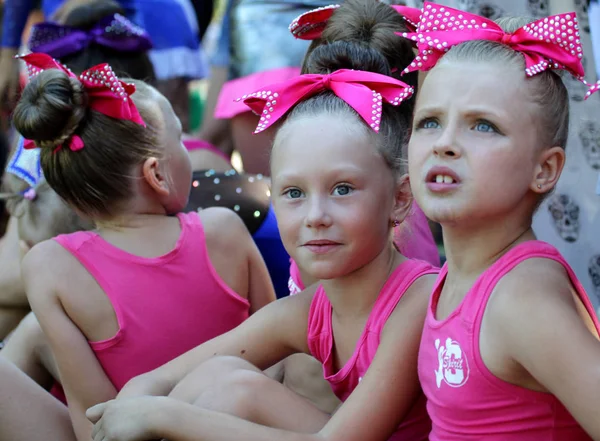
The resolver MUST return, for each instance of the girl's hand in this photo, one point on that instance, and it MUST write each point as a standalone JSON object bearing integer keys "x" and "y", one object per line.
{"x": 129, "y": 419}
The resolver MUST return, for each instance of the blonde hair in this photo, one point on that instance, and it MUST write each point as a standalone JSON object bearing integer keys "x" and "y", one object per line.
{"x": 546, "y": 89}
{"x": 43, "y": 218}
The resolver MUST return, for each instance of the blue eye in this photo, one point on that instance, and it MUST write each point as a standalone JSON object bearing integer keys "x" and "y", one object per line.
{"x": 428, "y": 123}
{"x": 293, "y": 193}
{"x": 484, "y": 126}
{"x": 342, "y": 190}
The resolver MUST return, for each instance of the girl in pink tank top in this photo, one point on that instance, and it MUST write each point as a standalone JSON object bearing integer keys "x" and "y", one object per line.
{"x": 510, "y": 346}
{"x": 339, "y": 188}
{"x": 147, "y": 284}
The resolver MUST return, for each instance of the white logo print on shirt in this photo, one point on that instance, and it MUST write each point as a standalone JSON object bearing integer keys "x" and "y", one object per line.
{"x": 453, "y": 367}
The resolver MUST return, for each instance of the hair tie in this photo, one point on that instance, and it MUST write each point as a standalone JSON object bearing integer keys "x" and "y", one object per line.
{"x": 114, "y": 32}
{"x": 364, "y": 91}
{"x": 106, "y": 93}
{"x": 29, "y": 194}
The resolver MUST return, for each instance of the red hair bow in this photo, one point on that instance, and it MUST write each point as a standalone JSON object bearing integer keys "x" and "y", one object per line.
{"x": 106, "y": 93}
{"x": 364, "y": 91}
{"x": 552, "y": 42}
{"x": 310, "y": 25}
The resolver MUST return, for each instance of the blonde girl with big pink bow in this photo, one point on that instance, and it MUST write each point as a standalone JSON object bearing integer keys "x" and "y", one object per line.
{"x": 339, "y": 187}
{"x": 510, "y": 345}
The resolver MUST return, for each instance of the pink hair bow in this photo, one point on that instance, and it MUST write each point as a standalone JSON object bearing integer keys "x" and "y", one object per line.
{"x": 412, "y": 16}
{"x": 552, "y": 42}
{"x": 310, "y": 25}
{"x": 106, "y": 93}
{"x": 592, "y": 88}
{"x": 364, "y": 91}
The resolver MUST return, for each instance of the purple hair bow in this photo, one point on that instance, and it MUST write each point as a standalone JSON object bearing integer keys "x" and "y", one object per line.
{"x": 114, "y": 32}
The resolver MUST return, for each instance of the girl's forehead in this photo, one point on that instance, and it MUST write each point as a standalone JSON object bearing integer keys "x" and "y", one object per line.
{"x": 468, "y": 82}
{"x": 322, "y": 143}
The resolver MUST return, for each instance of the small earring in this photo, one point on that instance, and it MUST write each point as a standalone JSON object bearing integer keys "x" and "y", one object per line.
{"x": 539, "y": 186}
{"x": 396, "y": 222}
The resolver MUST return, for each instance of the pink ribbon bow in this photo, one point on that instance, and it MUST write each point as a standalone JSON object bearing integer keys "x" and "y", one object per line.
{"x": 310, "y": 25}
{"x": 412, "y": 16}
{"x": 552, "y": 42}
{"x": 592, "y": 88}
{"x": 364, "y": 91}
{"x": 106, "y": 93}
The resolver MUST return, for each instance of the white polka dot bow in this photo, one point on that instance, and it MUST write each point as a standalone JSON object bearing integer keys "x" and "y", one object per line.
{"x": 106, "y": 93}
{"x": 549, "y": 43}
{"x": 364, "y": 91}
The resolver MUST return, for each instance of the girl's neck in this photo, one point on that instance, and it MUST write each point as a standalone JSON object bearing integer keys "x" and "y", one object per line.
{"x": 470, "y": 251}
{"x": 131, "y": 221}
{"x": 354, "y": 294}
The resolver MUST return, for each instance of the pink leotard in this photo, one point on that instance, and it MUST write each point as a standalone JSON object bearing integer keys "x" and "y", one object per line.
{"x": 416, "y": 425}
{"x": 466, "y": 401}
{"x": 165, "y": 305}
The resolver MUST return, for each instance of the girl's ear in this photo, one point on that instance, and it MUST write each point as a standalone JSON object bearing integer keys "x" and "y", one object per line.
{"x": 548, "y": 170}
{"x": 402, "y": 200}
{"x": 154, "y": 177}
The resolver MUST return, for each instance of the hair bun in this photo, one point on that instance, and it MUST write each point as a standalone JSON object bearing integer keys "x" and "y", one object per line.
{"x": 328, "y": 58}
{"x": 51, "y": 108}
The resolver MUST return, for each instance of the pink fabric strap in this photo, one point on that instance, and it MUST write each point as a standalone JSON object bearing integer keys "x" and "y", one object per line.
{"x": 549, "y": 43}
{"x": 106, "y": 93}
{"x": 364, "y": 91}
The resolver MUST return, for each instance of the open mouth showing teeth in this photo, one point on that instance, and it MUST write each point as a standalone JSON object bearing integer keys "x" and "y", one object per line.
{"x": 444, "y": 179}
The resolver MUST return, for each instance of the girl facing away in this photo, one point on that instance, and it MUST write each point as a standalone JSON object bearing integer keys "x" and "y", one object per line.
{"x": 156, "y": 284}
{"x": 37, "y": 213}
{"x": 363, "y": 321}
{"x": 510, "y": 346}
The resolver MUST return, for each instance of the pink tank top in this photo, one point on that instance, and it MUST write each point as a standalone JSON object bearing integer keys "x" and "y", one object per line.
{"x": 413, "y": 239}
{"x": 465, "y": 400}
{"x": 416, "y": 425}
{"x": 165, "y": 305}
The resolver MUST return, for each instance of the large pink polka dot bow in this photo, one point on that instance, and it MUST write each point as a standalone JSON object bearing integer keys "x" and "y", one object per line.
{"x": 548, "y": 43}
{"x": 106, "y": 93}
{"x": 364, "y": 91}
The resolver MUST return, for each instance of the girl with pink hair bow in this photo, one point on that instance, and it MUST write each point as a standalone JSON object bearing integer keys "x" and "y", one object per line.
{"x": 339, "y": 188}
{"x": 510, "y": 344}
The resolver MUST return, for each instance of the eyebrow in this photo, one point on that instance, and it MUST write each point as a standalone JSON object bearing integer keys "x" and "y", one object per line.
{"x": 333, "y": 171}
{"x": 469, "y": 112}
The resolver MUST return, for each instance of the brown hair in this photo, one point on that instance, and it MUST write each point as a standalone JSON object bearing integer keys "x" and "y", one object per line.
{"x": 546, "y": 89}
{"x": 96, "y": 180}
{"x": 361, "y": 35}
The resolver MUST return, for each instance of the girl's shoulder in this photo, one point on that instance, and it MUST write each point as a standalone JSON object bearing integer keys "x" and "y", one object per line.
{"x": 50, "y": 270}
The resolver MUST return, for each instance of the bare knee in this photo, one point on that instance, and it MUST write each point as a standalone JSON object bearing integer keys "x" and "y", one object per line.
{"x": 207, "y": 376}
{"x": 236, "y": 393}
